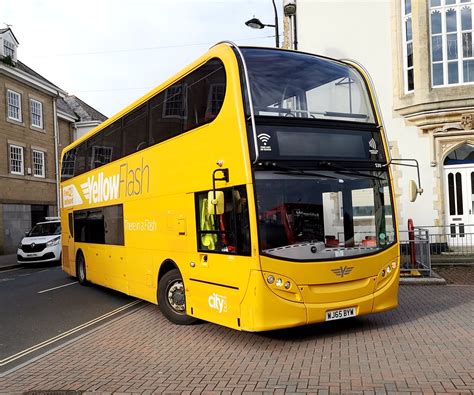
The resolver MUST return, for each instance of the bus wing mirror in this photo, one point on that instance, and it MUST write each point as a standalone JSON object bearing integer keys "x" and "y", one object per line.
{"x": 215, "y": 203}
{"x": 413, "y": 190}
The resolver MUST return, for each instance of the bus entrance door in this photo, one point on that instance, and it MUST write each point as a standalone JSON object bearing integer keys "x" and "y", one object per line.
{"x": 219, "y": 277}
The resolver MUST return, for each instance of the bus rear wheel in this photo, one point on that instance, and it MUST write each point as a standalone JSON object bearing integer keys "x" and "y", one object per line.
{"x": 171, "y": 298}
{"x": 81, "y": 269}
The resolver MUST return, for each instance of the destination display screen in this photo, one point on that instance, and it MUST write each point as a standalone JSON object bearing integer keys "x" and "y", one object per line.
{"x": 313, "y": 143}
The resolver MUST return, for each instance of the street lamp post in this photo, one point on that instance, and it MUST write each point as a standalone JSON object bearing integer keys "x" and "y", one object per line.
{"x": 255, "y": 23}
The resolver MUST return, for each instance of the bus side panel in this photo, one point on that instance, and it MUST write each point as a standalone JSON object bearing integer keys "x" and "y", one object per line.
{"x": 67, "y": 240}
{"x": 162, "y": 232}
{"x": 113, "y": 262}
{"x": 213, "y": 303}
{"x": 93, "y": 258}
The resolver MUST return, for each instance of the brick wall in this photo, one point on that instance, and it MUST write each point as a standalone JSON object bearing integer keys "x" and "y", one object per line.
{"x": 19, "y": 192}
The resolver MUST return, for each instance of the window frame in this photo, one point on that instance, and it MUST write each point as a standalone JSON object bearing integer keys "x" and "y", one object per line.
{"x": 233, "y": 231}
{"x": 11, "y": 147}
{"x": 98, "y": 150}
{"x": 214, "y": 90}
{"x": 82, "y": 226}
{"x": 170, "y": 96}
{"x": 33, "y": 103}
{"x": 406, "y": 69}
{"x": 460, "y": 59}
{"x": 8, "y": 49}
{"x": 12, "y": 105}
{"x": 34, "y": 163}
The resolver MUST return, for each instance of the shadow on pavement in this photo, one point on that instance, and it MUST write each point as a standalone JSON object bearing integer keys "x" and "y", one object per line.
{"x": 415, "y": 303}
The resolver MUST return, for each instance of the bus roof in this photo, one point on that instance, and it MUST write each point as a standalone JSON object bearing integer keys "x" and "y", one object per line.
{"x": 206, "y": 56}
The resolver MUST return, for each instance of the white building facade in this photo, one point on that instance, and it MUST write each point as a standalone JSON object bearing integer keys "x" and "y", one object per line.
{"x": 419, "y": 54}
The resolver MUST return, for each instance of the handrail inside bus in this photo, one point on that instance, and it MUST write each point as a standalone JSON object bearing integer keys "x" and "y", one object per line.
{"x": 249, "y": 93}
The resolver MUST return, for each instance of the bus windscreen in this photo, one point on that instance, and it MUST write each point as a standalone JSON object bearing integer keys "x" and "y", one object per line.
{"x": 299, "y": 85}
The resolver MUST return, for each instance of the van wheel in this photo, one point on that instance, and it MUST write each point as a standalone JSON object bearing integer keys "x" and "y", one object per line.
{"x": 81, "y": 269}
{"x": 171, "y": 298}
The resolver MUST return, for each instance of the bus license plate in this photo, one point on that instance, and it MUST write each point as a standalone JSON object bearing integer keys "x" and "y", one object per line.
{"x": 340, "y": 314}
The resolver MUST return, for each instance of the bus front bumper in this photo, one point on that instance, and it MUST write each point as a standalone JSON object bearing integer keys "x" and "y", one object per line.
{"x": 263, "y": 310}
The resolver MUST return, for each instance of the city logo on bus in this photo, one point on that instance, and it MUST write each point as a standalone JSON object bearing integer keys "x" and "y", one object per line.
{"x": 218, "y": 302}
{"x": 373, "y": 146}
{"x": 342, "y": 271}
{"x": 264, "y": 138}
{"x": 128, "y": 182}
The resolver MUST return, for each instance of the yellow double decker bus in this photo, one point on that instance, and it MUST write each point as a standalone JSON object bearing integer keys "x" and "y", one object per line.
{"x": 252, "y": 190}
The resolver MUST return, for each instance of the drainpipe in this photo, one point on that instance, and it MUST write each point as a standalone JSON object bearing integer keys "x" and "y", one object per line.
{"x": 56, "y": 154}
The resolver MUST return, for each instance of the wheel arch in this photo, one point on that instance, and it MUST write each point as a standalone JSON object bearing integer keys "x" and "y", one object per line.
{"x": 165, "y": 267}
{"x": 78, "y": 252}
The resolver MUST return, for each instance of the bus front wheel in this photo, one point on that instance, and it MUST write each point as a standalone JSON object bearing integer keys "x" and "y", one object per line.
{"x": 81, "y": 269}
{"x": 171, "y": 298}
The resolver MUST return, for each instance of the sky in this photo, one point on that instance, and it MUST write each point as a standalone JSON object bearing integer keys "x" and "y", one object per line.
{"x": 111, "y": 52}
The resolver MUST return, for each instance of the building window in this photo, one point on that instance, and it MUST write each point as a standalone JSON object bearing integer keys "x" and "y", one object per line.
{"x": 451, "y": 27}
{"x": 8, "y": 49}
{"x": 36, "y": 113}
{"x": 67, "y": 166}
{"x": 16, "y": 160}
{"x": 215, "y": 100}
{"x": 14, "y": 105}
{"x": 175, "y": 102}
{"x": 100, "y": 156}
{"x": 38, "y": 164}
{"x": 407, "y": 46}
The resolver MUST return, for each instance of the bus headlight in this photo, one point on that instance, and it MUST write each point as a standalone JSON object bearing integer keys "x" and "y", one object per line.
{"x": 386, "y": 274}
{"x": 283, "y": 287}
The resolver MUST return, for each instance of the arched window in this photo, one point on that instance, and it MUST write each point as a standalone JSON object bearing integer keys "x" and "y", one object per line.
{"x": 462, "y": 155}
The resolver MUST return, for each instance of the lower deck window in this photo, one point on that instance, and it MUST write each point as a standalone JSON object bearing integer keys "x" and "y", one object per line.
{"x": 103, "y": 225}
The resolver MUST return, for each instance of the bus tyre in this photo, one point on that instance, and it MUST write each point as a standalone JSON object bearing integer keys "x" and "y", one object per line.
{"x": 81, "y": 269}
{"x": 171, "y": 298}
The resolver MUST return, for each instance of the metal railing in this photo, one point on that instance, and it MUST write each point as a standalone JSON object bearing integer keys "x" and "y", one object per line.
{"x": 455, "y": 240}
{"x": 415, "y": 253}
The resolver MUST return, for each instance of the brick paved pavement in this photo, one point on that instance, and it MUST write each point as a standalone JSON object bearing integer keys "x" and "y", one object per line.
{"x": 456, "y": 274}
{"x": 425, "y": 346}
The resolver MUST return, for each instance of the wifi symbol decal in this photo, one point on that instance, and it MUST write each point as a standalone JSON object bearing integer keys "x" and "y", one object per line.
{"x": 263, "y": 137}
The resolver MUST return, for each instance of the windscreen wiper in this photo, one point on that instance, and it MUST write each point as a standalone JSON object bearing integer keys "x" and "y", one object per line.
{"x": 343, "y": 170}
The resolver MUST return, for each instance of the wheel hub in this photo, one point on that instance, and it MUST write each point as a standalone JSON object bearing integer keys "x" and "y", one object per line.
{"x": 176, "y": 296}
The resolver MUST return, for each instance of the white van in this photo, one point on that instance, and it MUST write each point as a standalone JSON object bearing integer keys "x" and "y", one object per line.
{"x": 42, "y": 243}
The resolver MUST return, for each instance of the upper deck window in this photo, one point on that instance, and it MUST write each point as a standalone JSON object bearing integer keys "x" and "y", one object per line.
{"x": 191, "y": 101}
{"x": 291, "y": 84}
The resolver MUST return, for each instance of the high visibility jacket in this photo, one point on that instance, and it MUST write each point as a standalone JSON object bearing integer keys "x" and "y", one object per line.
{"x": 207, "y": 223}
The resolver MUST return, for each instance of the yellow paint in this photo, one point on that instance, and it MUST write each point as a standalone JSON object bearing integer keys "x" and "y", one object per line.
{"x": 160, "y": 225}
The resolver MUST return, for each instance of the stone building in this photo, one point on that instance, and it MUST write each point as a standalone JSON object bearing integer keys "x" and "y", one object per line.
{"x": 37, "y": 119}
{"x": 420, "y": 56}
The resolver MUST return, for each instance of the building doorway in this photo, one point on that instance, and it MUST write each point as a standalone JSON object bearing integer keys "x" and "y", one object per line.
{"x": 38, "y": 213}
{"x": 459, "y": 193}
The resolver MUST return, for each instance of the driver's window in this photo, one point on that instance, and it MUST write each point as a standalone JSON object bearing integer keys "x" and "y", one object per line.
{"x": 228, "y": 232}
